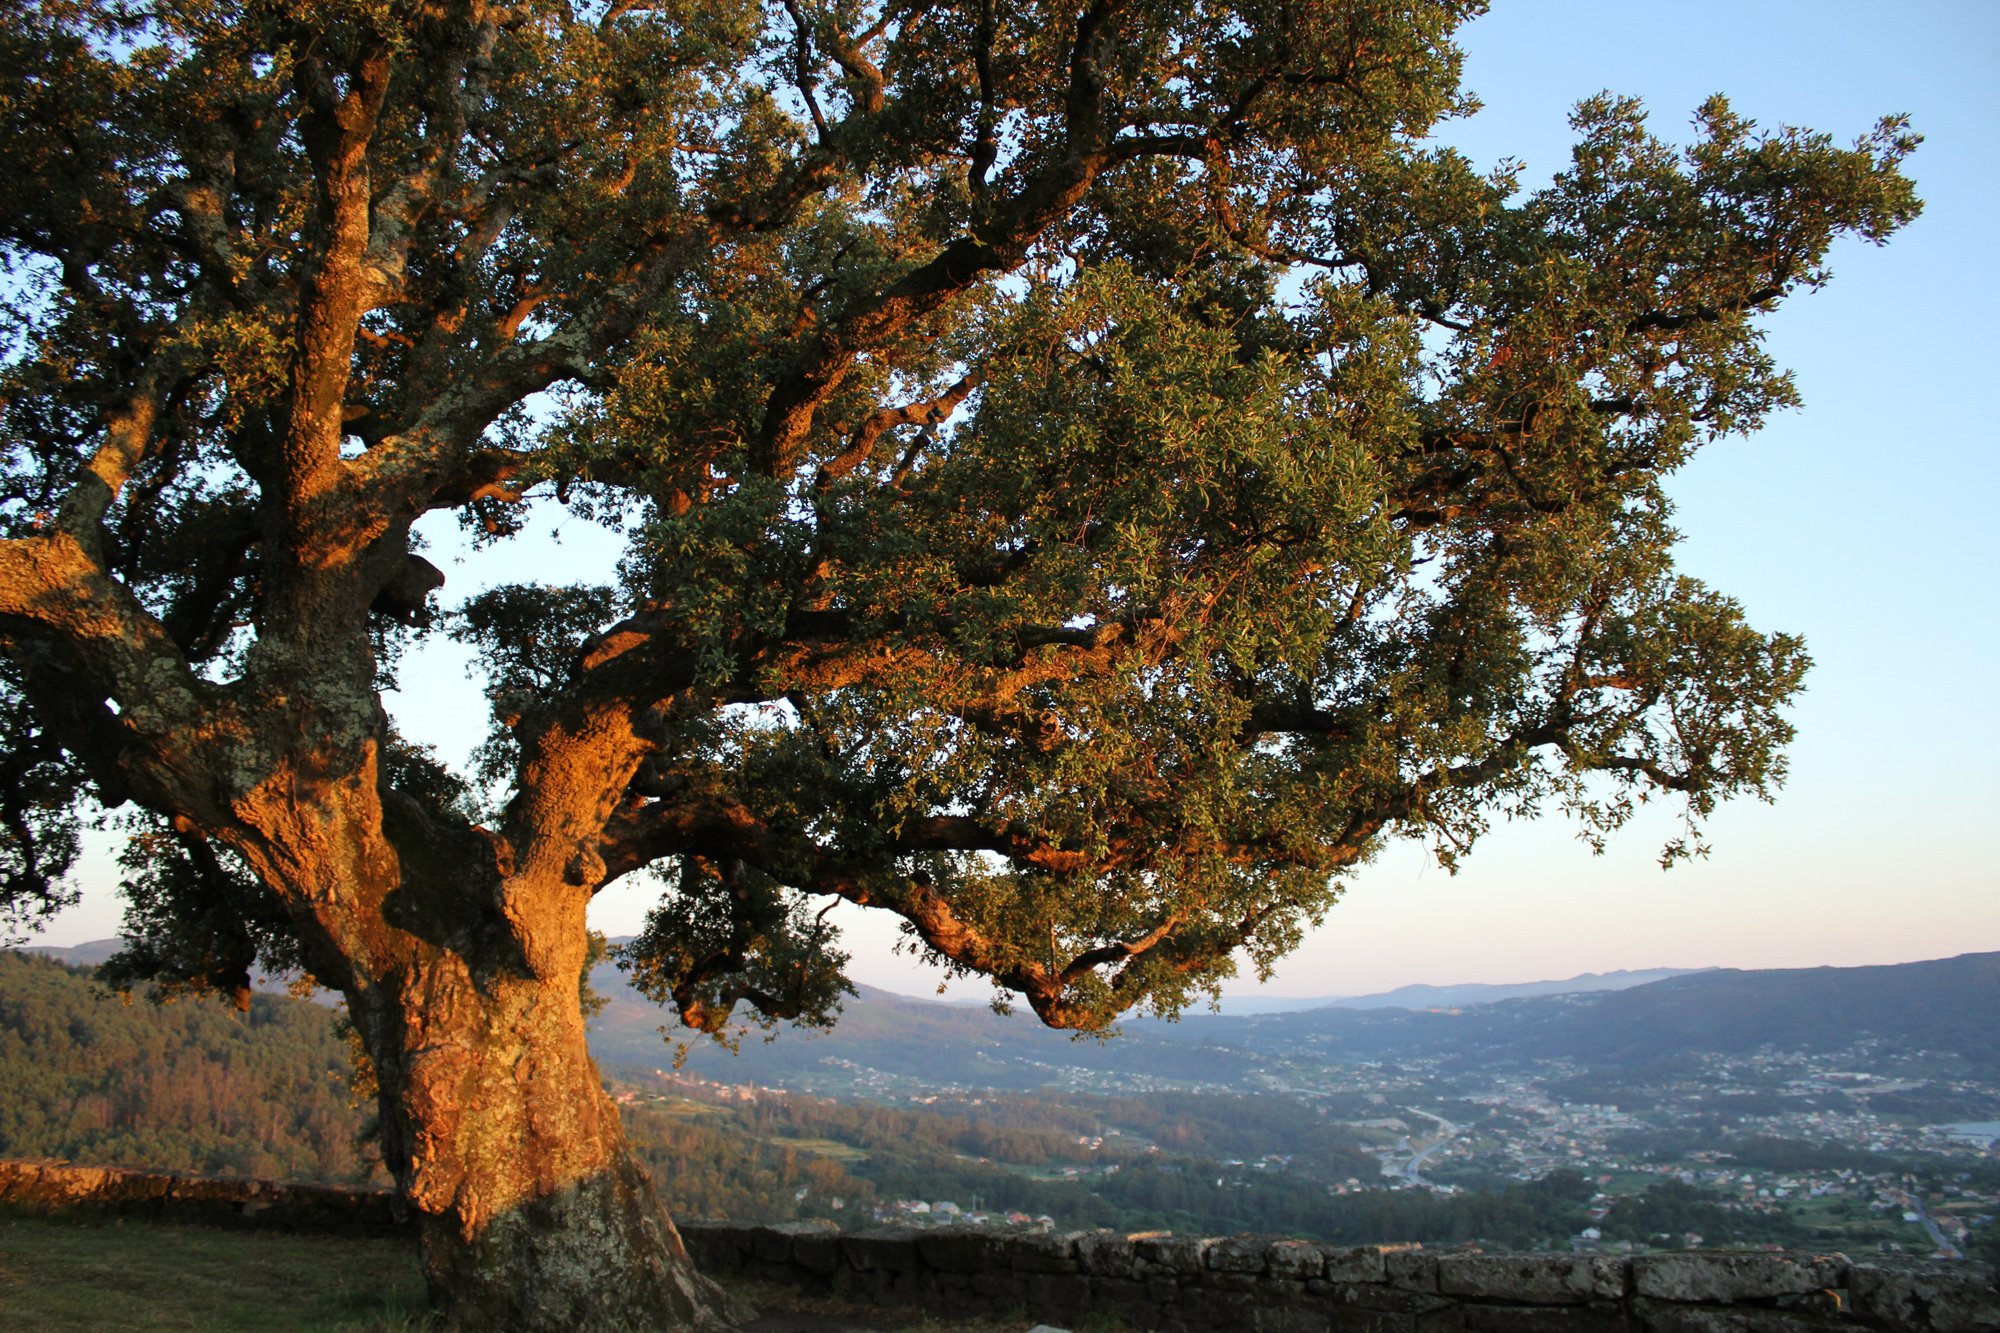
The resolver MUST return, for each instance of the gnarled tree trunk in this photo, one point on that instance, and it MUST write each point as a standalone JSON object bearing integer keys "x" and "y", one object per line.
{"x": 531, "y": 1210}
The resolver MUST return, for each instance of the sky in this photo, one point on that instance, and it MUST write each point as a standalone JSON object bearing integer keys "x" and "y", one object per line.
{"x": 1860, "y": 521}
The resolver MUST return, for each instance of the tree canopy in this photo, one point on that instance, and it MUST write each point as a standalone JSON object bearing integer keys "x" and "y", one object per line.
{"x": 1090, "y": 473}
{"x": 1089, "y": 478}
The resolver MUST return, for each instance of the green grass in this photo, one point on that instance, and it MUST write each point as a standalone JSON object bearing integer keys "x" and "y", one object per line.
{"x": 63, "y": 1275}
{"x": 822, "y": 1148}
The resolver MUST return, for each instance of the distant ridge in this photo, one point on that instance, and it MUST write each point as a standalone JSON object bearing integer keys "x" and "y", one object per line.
{"x": 1420, "y": 996}
{"x": 93, "y": 952}
{"x": 88, "y": 954}
{"x": 1606, "y": 1020}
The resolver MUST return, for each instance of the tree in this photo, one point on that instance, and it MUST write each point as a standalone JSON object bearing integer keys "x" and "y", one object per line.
{"x": 1091, "y": 474}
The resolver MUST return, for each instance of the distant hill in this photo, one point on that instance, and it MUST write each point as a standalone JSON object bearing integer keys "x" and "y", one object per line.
{"x": 88, "y": 954}
{"x": 1607, "y": 1019}
{"x": 905, "y": 1040}
{"x": 1942, "y": 1006}
{"x": 1447, "y": 997}
{"x": 1947, "y": 1005}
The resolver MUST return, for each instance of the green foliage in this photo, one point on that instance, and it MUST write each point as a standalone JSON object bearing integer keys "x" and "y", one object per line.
{"x": 1984, "y": 1245}
{"x": 195, "y": 921}
{"x": 40, "y": 818}
{"x": 1667, "y": 1211}
{"x": 732, "y": 934}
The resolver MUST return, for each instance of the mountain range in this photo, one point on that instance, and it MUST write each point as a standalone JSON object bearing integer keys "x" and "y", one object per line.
{"x": 1618, "y": 1020}
{"x": 1944, "y": 1007}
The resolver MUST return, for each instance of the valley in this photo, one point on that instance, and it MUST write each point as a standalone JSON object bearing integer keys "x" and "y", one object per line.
{"x": 1836, "y": 1108}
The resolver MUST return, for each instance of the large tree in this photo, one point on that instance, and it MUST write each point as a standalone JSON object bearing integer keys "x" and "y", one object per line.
{"x": 1091, "y": 472}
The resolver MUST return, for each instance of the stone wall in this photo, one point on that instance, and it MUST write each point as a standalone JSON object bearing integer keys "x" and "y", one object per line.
{"x": 1259, "y": 1285}
{"x": 1174, "y": 1284}
{"x": 58, "y": 1187}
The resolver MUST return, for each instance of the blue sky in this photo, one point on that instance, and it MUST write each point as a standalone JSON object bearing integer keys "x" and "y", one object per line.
{"x": 1860, "y": 521}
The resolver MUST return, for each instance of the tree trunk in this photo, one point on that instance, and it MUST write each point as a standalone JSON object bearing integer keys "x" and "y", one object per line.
{"x": 462, "y": 981}
{"x": 531, "y": 1210}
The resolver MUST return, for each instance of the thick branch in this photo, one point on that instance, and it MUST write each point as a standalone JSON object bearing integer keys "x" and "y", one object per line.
{"x": 102, "y": 644}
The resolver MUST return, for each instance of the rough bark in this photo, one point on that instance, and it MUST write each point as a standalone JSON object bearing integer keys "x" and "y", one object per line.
{"x": 531, "y": 1210}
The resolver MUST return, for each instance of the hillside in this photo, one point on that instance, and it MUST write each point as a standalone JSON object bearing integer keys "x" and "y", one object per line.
{"x": 1946, "y": 1005}
{"x": 189, "y": 1086}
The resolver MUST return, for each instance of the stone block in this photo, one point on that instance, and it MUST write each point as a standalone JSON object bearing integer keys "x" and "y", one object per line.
{"x": 872, "y": 1286}
{"x": 1292, "y": 1319}
{"x": 1238, "y": 1254}
{"x": 1041, "y": 1253}
{"x": 1056, "y": 1293}
{"x": 1124, "y": 1297}
{"x": 57, "y": 1187}
{"x": 1299, "y": 1260}
{"x": 885, "y": 1248}
{"x": 999, "y": 1284}
{"x": 1221, "y": 1311}
{"x": 1361, "y": 1263}
{"x": 1353, "y": 1319}
{"x": 819, "y": 1254}
{"x": 962, "y": 1249}
{"x": 1654, "y": 1316}
{"x": 1107, "y": 1254}
{"x": 772, "y": 1244}
{"x": 1716, "y": 1278}
{"x": 1181, "y": 1255}
{"x": 1409, "y": 1268}
{"x": 1376, "y": 1297}
{"x": 1926, "y": 1295}
{"x": 1472, "y": 1317}
{"x": 1250, "y": 1284}
{"x": 1532, "y": 1279}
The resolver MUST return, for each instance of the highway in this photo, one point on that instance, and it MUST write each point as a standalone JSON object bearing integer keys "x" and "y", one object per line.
{"x": 1447, "y": 1131}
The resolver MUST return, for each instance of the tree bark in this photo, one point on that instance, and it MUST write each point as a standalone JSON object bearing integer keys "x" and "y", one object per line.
{"x": 463, "y": 984}
{"x": 531, "y": 1211}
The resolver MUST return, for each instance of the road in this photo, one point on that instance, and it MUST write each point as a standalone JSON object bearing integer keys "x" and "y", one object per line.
{"x": 1447, "y": 1131}
{"x": 1945, "y": 1248}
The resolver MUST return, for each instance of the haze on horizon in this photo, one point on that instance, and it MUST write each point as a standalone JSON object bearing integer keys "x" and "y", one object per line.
{"x": 1857, "y": 522}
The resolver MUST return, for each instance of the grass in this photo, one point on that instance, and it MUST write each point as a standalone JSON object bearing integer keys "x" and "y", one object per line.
{"x": 822, "y": 1148}
{"x": 64, "y": 1275}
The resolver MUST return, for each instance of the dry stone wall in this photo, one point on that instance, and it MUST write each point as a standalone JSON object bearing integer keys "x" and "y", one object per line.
{"x": 59, "y": 1187}
{"x": 1181, "y": 1284}
{"x": 1173, "y": 1284}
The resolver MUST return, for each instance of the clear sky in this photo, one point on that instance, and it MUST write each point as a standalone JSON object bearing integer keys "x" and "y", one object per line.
{"x": 1861, "y": 521}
